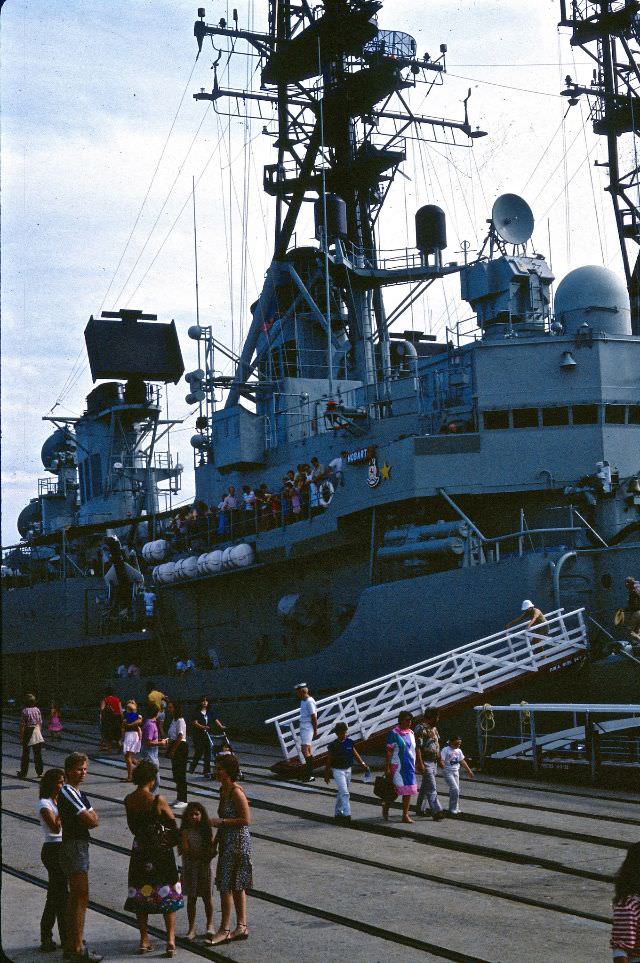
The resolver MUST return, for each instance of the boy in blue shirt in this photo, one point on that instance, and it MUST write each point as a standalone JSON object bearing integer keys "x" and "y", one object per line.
{"x": 342, "y": 752}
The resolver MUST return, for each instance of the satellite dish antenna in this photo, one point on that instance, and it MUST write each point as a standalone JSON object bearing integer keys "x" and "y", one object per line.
{"x": 512, "y": 219}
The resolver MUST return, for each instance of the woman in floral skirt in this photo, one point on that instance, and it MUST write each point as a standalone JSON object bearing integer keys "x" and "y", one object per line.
{"x": 154, "y": 884}
{"x": 234, "y": 874}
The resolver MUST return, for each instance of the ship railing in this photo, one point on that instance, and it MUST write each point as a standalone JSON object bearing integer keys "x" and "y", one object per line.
{"x": 560, "y": 736}
{"x": 443, "y": 681}
{"x": 217, "y": 527}
{"x": 390, "y": 260}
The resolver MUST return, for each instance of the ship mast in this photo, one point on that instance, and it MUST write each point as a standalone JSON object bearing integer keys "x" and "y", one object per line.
{"x": 609, "y": 33}
{"x": 337, "y": 84}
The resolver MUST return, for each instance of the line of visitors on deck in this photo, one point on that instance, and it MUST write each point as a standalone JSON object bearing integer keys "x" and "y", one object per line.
{"x": 256, "y": 508}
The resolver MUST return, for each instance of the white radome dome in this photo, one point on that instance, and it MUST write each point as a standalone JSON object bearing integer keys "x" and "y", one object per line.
{"x": 596, "y": 296}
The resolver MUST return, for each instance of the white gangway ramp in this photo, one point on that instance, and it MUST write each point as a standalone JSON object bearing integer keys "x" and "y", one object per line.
{"x": 441, "y": 681}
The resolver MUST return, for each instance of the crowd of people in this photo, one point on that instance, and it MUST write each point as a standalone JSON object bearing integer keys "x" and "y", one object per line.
{"x": 412, "y": 748}
{"x": 156, "y": 885}
{"x": 257, "y": 508}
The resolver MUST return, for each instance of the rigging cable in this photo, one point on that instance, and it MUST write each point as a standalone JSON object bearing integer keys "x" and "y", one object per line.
{"x": 151, "y": 182}
{"x": 493, "y": 83}
{"x": 224, "y": 215}
{"x": 565, "y": 172}
{"x": 175, "y": 221}
{"x": 576, "y": 171}
{"x": 461, "y": 191}
{"x": 593, "y": 190}
{"x": 545, "y": 151}
{"x": 560, "y": 163}
{"x": 76, "y": 374}
{"x": 162, "y": 208}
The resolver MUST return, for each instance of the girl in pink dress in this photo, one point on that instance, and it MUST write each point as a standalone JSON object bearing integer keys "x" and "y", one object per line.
{"x": 55, "y": 724}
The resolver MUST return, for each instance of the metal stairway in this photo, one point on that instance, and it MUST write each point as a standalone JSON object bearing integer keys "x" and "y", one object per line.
{"x": 443, "y": 681}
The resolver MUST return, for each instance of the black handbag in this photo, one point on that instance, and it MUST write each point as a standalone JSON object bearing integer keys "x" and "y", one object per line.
{"x": 156, "y": 834}
{"x": 384, "y": 789}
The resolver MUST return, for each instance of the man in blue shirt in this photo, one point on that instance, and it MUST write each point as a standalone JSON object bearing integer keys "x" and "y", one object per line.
{"x": 342, "y": 752}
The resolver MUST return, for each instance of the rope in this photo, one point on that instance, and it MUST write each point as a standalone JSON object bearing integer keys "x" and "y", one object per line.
{"x": 525, "y": 717}
{"x": 487, "y": 723}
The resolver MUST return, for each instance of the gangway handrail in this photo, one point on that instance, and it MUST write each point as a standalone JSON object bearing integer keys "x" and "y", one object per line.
{"x": 441, "y": 680}
{"x": 487, "y": 640}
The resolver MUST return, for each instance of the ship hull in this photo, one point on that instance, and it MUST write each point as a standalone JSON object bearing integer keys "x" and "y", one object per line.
{"x": 394, "y": 624}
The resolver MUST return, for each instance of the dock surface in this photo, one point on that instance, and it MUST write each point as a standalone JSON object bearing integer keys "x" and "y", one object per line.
{"x": 523, "y": 875}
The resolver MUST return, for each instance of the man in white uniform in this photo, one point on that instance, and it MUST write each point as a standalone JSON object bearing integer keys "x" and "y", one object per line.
{"x": 308, "y": 728}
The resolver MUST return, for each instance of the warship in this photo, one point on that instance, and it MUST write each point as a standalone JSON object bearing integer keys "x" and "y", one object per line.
{"x": 366, "y": 495}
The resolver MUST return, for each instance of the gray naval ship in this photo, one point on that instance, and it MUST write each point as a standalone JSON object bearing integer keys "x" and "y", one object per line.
{"x": 366, "y": 496}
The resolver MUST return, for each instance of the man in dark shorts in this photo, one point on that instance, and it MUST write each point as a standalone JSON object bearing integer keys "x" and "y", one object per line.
{"x": 77, "y": 817}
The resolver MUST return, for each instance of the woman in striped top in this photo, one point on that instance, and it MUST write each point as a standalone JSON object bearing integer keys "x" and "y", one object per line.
{"x": 625, "y": 937}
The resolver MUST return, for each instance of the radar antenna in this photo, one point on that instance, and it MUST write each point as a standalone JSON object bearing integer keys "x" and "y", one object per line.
{"x": 511, "y": 223}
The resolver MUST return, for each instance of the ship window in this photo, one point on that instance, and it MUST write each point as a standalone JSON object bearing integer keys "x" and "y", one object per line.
{"x": 634, "y": 414}
{"x": 614, "y": 414}
{"x": 585, "y": 414}
{"x": 495, "y": 420}
{"x": 525, "y": 417}
{"x": 554, "y": 417}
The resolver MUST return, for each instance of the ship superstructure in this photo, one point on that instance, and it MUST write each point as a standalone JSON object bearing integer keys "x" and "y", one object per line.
{"x": 368, "y": 496}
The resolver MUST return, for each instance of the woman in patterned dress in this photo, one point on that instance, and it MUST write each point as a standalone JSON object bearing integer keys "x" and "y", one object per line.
{"x": 401, "y": 764}
{"x": 154, "y": 884}
{"x": 234, "y": 874}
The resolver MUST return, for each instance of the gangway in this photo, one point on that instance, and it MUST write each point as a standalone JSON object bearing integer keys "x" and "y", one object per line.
{"x": 583, "y": 739}
{"x": 444, "y": 681}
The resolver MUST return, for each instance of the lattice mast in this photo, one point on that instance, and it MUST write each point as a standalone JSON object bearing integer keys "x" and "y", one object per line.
{"x": 334, "y": 80}
{"x": 609, "y": 34}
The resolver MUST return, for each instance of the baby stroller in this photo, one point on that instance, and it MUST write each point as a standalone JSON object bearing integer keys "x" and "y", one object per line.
{"x": 220, "y": 745}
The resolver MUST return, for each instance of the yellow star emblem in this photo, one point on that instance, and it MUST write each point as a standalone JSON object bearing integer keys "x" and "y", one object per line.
{"x": 385, "y": 472}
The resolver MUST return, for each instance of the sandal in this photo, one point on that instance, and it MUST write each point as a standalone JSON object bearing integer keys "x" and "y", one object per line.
{"x": 222, "y": 936}
{"x": 170, "y": 951}
{"x": 145, "y": 948}
{"x": 242, "y": 935}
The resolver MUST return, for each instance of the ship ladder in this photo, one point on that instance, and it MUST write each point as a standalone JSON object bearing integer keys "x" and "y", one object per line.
{"x": 446, "y": 681}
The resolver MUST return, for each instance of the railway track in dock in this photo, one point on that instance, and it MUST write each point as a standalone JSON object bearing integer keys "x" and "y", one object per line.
{"x": 362, "y": 893}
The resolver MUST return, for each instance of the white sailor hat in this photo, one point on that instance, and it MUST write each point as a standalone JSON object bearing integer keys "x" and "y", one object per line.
{"x": 301, "y": 685}
{"x": 527, "y": 604}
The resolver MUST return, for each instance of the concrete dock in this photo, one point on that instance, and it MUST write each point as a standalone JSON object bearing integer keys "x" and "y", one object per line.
{"x": 524, "y": 875}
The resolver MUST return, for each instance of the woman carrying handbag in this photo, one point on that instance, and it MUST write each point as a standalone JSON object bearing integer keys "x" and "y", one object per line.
{"x": 154, "y": 883}
{"x": 31, "y": 736}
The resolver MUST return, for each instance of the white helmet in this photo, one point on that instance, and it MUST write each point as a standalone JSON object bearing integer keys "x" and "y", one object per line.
{"x": 527, "y": 604}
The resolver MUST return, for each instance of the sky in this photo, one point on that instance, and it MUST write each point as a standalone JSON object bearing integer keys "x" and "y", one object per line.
{"x": 102, "y": 141}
